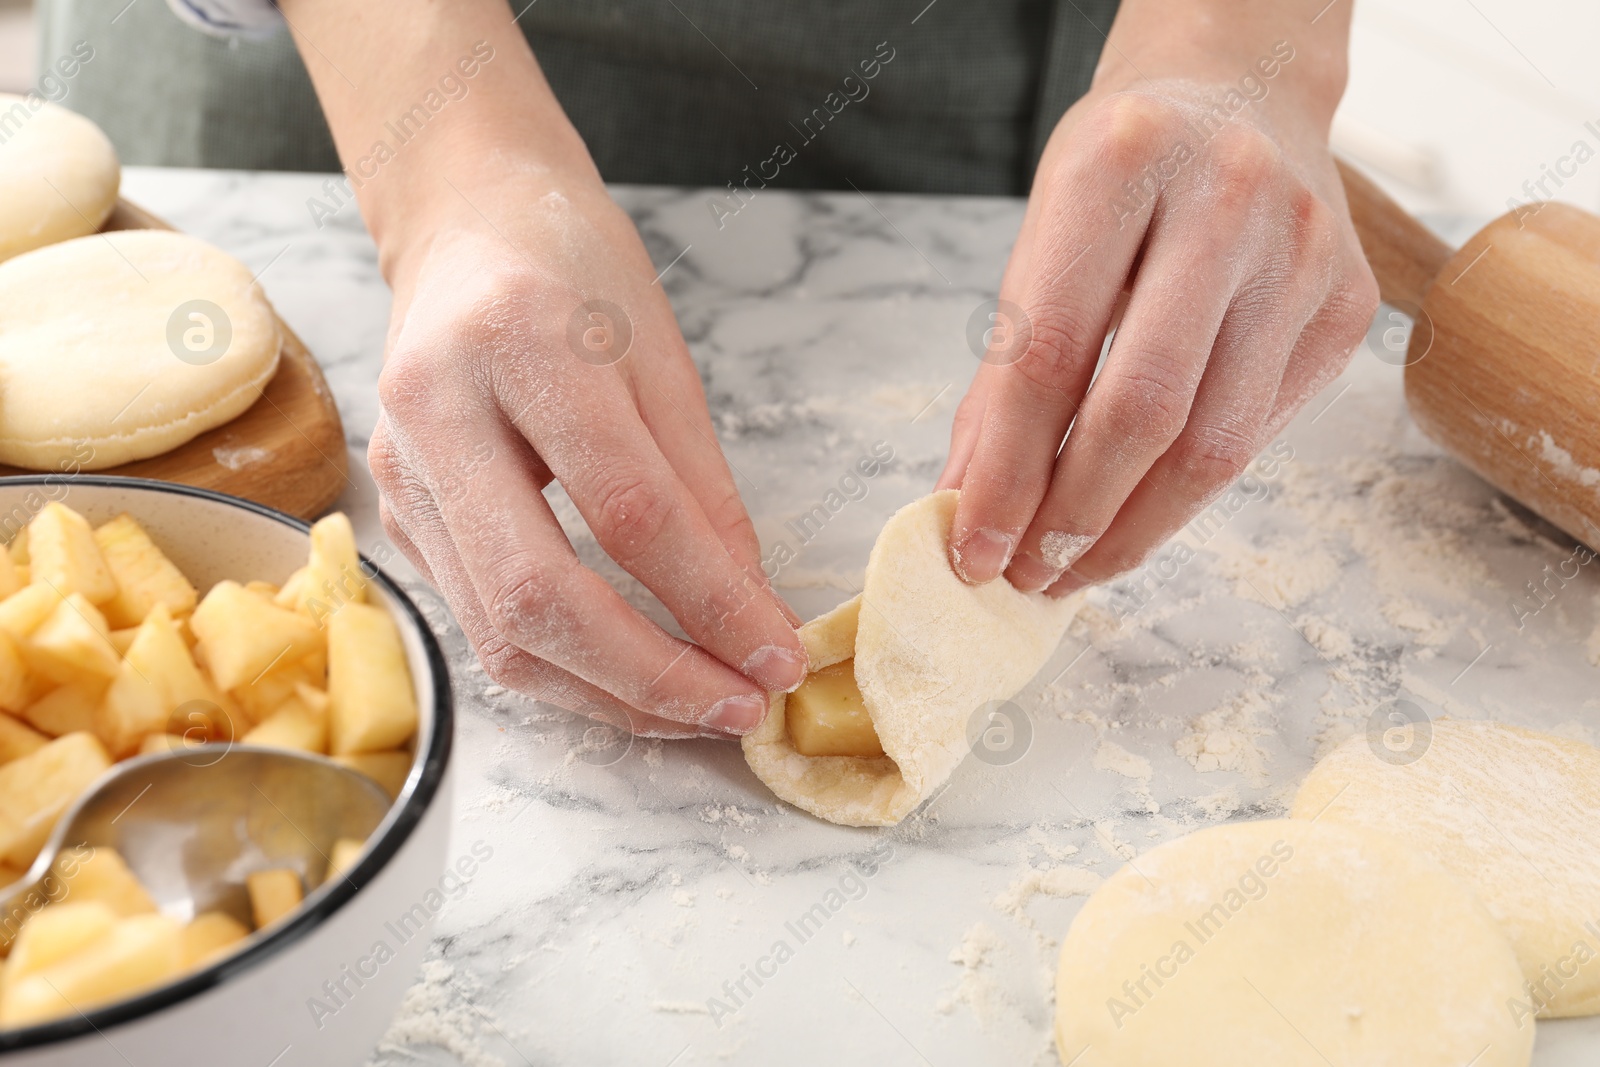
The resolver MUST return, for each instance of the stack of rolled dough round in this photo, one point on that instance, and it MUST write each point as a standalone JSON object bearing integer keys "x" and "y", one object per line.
{"x": 1418, "y": 913}
{"x": 114, "y": 346}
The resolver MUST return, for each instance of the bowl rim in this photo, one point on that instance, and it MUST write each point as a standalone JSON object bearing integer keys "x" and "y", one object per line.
{"x": 433, "y": 764}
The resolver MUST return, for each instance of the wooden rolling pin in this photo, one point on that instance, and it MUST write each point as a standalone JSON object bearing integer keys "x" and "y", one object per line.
{"x": 1503, "y": 367}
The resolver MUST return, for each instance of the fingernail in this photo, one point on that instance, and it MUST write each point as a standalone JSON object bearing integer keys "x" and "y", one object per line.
{"x": 775, "y": 669}
{"x": 1030, "y": 575}
{"x": 1061, "y": 549}
{"x": 982, "y": 555}
{"x": 1066, "y": 584}
{"x": 736, "y": 715}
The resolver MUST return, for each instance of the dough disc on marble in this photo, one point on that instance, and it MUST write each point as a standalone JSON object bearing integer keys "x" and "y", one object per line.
{"x": 1291, "y": 944}
{"x": 930, "y": 651}
{"x": 58, "y": 175}
{"x": 119, "y": 346}
{"x": 1512, "y": 813}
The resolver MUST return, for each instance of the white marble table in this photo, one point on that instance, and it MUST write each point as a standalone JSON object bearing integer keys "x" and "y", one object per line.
{"x": 630, "y": 885}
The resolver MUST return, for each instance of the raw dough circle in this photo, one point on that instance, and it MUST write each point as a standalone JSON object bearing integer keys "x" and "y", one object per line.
{"x": 1286, "y": 943}
{"x": 1514, "y": 814}
{"x": 119, "y": 346}
{"x": 58, "y": 175}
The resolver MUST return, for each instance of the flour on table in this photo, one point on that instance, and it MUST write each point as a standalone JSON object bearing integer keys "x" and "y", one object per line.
{"x": 436, "y": 1011}
{"x": 1224, "y": 739}
{"x": 977, "y": 988}
{"x": 1062, "y": 881}
{"x": 1111, "y": 756}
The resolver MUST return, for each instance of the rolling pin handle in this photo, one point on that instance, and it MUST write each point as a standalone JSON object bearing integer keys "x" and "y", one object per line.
{"x": 1403, "y": 255}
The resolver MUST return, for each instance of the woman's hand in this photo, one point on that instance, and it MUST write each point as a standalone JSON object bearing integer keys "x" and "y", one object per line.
{"x": 529, "y": 342}
{"x": 1221, "y": 223}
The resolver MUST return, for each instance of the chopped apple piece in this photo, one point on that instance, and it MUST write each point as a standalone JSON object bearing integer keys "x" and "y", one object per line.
{"x": 155, "y": 744}
{"x": 312, "y": 697}
{"x": 66, "y": 709}
{"x": 342, "y": 856}
{"x": 389, "y": 769}
{"x": 264, "y": 590}
{"x": 103, "y": 875}
{"x": 144, "y": 575}
{"x": 62, "y": 553}
{"x": 18, "y": 548}
{"x": 18, "y": 739}
{"x": 267, "y": 693}
{"x": 827, "y": 717}
{"x": 210, "y": 935}
{"x": 371, "y": 704}
{"x": 333, "y": 577}
{"x": 294, "y": 726}
{"x": 122, "y": 639}
{"x": 13, "y": 578}
{"x": 23, "y": 611}
{"x": 156, "y": 682}
{"x": 244, "y": 635}
{"x": 72, "y": 643}
{"x": 273, "y": 894}
{"x": 37, "y": 788}
{"x": 134, "y": 955}
{"x": 16, "y": 688}
{"x": 53, "y": 933}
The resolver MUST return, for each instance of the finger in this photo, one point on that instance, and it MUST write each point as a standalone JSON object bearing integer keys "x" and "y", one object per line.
{"x": 1224, "y": 431}
{"x": 649, "y": 522}
{"x": 532, "y": 588}
{"x": 964, "y": 430}
{"x": 510, "y": 666}
{"x": 674, "y": 412}
{"x": 1076, "y": 264}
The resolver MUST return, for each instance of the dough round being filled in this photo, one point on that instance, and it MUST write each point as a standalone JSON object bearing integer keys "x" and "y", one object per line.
{"x": 1512, "y": 813}
{"x": 930, "y": 652}
{"x": 119, "y": 346}
{"x": 1287, "y": 943}
{"x": 58, "y": 175}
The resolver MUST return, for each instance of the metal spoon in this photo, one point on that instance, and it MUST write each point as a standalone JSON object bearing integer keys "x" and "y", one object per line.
{"x": 193, "y": 823}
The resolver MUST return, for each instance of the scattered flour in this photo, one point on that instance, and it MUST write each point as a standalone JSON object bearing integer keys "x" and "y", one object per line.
{"x": 1060, "y": 881}
{"x": 437, "y": 1012}
{"x": 237, "y": 459}
{"x": 977, "y": 988}
{"x": 1224, "y": 739}
{"x": 1111, "y": 756}
{"x": 680, "y": 1007}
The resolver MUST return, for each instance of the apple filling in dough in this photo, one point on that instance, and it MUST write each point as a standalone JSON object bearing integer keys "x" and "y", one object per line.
{"x": 828, "y": 717}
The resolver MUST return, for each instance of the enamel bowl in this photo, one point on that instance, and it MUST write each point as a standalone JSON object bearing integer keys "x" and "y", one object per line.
{"x": 322, "y": 987}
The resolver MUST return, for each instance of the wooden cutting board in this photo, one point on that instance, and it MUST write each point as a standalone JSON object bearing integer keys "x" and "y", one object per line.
{"x": 286, "y": 451}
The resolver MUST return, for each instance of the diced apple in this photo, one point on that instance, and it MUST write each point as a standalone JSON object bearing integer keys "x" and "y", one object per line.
{"x": 389, "y": 769}
{"x": 18, "y": 548}
{"x": 371, "y": 703}
{"x": 264, "y": 590}
{"x": 342, "y": 856}
{"x": 333, "y": 577}
{"x": 210, "y": 935}
{"x": 273, "y": 894}
{"x": 122, "y": 639}
{"x": 37, "y": 788}
{"x": 62, "y": 552}
{"x": 156, "y": 683}
{"x": 134, "y": 955}
{"x": 66, "y": 709}
{"x": 262, "y": 697}
{"x": 23, "y": 611}
{"x": 244, "y": 635}
{"x": 292, "y": 726}
{"x": 16, "y": 687}
{"x": 103, "y": 875}
{"x": 144, "y": 575}
{"x": 54, "y": 933}
{"x": 312, "y": 697}
{"x": 827, "y": 717}
{"x": 18, "y": 739}
{"x": 72, "y": 643}
{"x": 156, "y": 744}
{"x": 12, "y": 578}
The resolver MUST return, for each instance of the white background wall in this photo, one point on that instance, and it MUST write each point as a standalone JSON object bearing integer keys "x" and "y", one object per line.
{"x": 1453, "y": 104}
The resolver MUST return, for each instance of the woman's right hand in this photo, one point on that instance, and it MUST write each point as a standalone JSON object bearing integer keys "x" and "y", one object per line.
{"x": 503, "y": 374}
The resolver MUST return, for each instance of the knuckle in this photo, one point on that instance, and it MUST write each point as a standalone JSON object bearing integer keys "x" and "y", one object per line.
{"x": 631, "y": 512}
{"x": 405, "y": 384}
{"x": 1246, "y": 162}
{"x": 1056, "y": 350}
{"x": 1214, "y": 455}
{"x": 1131, "y": 127}
{"x": 522, "y": 608}
{"x": 1148, "y": 403}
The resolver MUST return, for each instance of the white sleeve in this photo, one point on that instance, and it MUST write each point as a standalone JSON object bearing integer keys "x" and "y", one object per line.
{"x": 229, "y": 18}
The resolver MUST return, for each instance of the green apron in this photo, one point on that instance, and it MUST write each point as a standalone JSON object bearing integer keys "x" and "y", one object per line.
{"x": 960, "y": 97}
